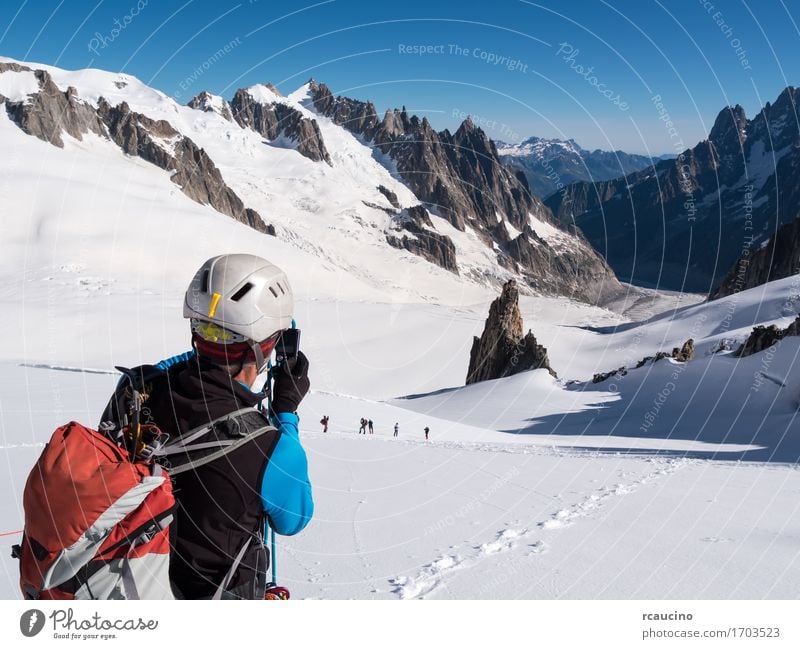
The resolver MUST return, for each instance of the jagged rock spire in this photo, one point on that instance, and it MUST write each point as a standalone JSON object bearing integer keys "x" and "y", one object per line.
{"x": 502, "y": 350}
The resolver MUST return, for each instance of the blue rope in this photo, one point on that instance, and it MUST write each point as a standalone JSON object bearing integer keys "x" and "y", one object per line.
{"x": 272, "y": 554}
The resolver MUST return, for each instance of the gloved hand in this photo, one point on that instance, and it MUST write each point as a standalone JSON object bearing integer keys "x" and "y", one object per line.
{"x": 291, "y": 384}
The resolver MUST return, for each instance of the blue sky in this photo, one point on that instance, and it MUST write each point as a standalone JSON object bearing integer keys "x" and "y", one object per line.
{"x": 585, "y": 69}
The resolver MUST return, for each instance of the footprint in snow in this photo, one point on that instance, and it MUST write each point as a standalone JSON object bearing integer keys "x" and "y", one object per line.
{"x": 426, "y": 580}
{"x": 540, "y": 547}
{"x": 505, "y": 541}
{"x": 561, "y": 518}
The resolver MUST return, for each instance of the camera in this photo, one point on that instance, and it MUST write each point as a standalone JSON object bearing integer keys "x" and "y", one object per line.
{"x": 288, "y": 346}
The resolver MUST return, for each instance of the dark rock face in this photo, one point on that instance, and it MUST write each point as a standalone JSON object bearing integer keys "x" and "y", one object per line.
{"x": 550, "y": 272}
{"x": 390, "y": 196}
{"x": 358, "y": 117}
{"x": 502, "y": 350}
{"x": 603, "y": 376}
{"x": 195, "y": 172}
{"x": 460, "y": 178}
{"x": 778, "y": 257}
{"x": 682, "y": 354}
{"x": 701, "y": 208}
{"x": 685, "y": 353}
{"x": 51, "y": 112}
{"x": 205, "y": 102}
{"x": 425, "y": 241}
{"x": 762, "y": 338}
{"x": 276, "y": 120}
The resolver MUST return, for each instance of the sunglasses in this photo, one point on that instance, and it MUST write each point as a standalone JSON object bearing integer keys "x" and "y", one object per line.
{"x": 267, "y": 347}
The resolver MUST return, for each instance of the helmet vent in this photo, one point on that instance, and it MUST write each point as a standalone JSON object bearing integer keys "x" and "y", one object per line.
{"x": 273, "y": 291}
{"x": 204, "y": 282}
{"x": 241, "y": 292}
{"x": 281, "y": 288}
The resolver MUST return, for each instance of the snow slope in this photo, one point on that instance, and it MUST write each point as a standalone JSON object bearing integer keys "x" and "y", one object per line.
{"x": 528, "y": 487}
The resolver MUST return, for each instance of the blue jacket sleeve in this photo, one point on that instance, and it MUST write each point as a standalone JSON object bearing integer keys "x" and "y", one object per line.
{"x": 285, "y": 487}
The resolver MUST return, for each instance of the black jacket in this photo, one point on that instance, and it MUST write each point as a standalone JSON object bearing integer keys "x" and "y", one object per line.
{"x": 219, "y": 503}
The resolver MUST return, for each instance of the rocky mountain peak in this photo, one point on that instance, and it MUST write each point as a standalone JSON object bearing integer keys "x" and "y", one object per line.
{"x": 273, "y": 89}
{"x": 502, "y": 350}
{"x": 729, "y": 131}
{"x": 778, "y": 122}
{"x": 461, "y": 178}
{"x": 474, "y": 137}
{"x": 275, "y": 120}
{"x": 209, "y": 103}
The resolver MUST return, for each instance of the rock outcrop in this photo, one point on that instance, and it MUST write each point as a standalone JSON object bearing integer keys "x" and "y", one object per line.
{"x": 52, "y": 111}
{"x": 502, "y": 350}
{"x": 774, "y": 258}
{"x": 424, "y": 240}
{"x": 194, "y": 172}
{"x": 762, "y": 338}
{"x": 682, "y": 354}
{"x": 209, "y": 103}
{"x": 390, "y": 196}
{"x": 685, "y": 353}
{"x": 277, "y": 120}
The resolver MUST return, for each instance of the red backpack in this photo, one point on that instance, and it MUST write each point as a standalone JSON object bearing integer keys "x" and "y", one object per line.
{"x": 96, "y": 524}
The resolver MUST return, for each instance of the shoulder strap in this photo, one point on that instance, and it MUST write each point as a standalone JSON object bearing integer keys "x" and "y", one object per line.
{"x": 214, "y": 440}
{"x": 232, "y": 570}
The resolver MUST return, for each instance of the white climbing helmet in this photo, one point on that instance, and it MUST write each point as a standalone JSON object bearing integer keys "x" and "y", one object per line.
{"x": 239, "y": 298}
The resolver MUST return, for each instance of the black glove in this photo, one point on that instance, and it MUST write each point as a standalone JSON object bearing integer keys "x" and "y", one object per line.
{"x": 291, "y": 384}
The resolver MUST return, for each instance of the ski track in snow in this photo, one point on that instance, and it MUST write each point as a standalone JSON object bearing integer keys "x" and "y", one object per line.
{"x": 434, "y": 574}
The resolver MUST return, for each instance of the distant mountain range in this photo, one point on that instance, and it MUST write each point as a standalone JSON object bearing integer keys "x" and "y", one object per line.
{"x": 682, "y": 224}
{"x": 550, "y": 164}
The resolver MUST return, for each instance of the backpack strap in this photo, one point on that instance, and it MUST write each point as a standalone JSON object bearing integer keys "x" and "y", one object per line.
{"x": 214, "y": 440}
{"x": 232, "y": 570}
{"x": 257, "y": 588}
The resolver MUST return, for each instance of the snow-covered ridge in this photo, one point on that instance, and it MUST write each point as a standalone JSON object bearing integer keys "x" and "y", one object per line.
{"x": 337, "y": 211}
{"x": 539, "y": 147}
{"x": 16, "y": 86}
{"x": 317, "y": 210}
